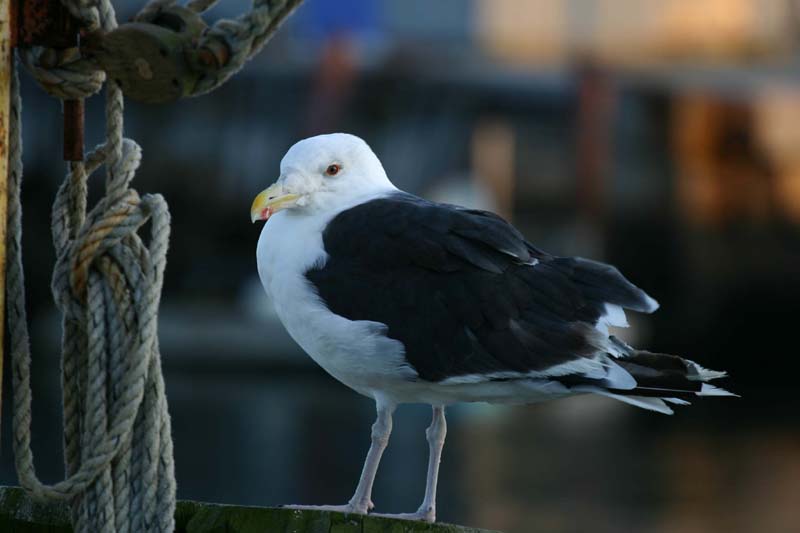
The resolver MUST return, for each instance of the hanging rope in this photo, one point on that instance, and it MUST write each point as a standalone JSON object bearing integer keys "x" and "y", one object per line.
{"x": 245, "y": 36}
{"x": 107, "y": 284}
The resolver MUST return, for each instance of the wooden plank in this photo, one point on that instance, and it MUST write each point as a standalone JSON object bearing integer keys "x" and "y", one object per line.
{"x": 20, "y": 512}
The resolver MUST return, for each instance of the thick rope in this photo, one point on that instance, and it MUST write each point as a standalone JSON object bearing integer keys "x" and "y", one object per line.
{"x": 107, "y": 283}
{"x": 66, "y": 74}
{"x": 63, "y": 73}
{"x": 244, "y": 36}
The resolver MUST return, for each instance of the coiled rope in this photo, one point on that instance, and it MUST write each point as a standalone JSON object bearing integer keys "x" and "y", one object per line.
{"x": 107, "y": 284}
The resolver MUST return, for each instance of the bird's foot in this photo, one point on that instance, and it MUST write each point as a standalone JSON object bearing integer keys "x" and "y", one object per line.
{"x": 424, "y": 514}
{"x": 348, "y": 508}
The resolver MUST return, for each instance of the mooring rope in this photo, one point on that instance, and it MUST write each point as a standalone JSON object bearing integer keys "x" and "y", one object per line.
{"x": 107, "y": 284}
{"x": 244, "y": 36}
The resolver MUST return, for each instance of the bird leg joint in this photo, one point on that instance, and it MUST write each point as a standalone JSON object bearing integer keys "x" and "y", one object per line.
{"x": 437, "y": 431}
{"x": 381, "y": 430}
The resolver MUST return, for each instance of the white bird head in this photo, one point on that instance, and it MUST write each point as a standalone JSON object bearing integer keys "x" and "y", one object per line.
{"x": 321, "y": 173}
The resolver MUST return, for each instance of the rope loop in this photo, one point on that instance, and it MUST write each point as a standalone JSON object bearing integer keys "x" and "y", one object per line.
{"x": 63, "y": 74}
{"x": 244, "y": 37}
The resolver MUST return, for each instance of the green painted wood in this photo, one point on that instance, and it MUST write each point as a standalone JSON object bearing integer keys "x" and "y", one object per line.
{"x": 19, "y": 513}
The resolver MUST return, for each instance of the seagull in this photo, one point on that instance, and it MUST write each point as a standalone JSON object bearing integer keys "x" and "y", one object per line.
{"x": 405, "y": 300}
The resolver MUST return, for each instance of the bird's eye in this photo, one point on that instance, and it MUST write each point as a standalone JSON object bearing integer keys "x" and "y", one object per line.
{"x": 332, "y": 170}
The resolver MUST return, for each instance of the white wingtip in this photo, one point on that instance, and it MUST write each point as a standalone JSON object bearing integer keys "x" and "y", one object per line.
{"x": 705, "y": 374}
{"x": 652, "y": 304}
{"x": 676, "y": 401}
{"x": 643, "y": 402}
{"x": 711, "y": 390}
{"x": 619, "y": 378}
{"x": 613, "y": 315}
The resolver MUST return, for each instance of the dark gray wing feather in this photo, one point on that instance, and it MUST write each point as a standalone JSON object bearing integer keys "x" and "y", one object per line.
{"x": 463, "y": 290}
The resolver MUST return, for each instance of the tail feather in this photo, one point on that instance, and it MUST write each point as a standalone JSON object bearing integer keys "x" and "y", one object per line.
{"x": 643, "y": 402}
{"x": 711, "y": 390}
{"x": 659, "y": 378}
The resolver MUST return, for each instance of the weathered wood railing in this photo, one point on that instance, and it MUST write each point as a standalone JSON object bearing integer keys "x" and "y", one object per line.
{"x": 21, "y": 514}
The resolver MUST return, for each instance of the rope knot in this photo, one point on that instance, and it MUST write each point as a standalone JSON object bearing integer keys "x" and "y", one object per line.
{"x": 103, "y": 230}
{"x": 85, "y": 246}
{"x": 66, "y": 74}
{"x": 63, "y": 73}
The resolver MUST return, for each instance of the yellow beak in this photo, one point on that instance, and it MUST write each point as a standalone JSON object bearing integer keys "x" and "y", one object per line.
{"x": 270, "y": 201}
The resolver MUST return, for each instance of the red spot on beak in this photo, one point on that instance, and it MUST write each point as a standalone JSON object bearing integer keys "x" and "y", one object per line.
{"x": 266, "y": 213}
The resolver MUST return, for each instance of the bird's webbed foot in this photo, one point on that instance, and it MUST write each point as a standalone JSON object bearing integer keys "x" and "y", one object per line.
{"x": 348, "y": 508}
{"x": 424, "y": 514}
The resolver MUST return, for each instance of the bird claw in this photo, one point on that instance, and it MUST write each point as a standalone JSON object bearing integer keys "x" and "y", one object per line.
{"x": 347, "y": 508}
{"x": 423, "y": 514}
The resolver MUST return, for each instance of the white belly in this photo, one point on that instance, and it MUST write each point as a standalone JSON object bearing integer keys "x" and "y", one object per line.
{"x": 357, "y": 353}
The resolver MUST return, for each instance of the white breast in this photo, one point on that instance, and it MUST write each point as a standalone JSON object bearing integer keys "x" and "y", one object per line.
{"x": 357, "y": 353}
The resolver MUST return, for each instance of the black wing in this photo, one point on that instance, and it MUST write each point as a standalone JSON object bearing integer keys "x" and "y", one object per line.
{"x": 463, "y": 290}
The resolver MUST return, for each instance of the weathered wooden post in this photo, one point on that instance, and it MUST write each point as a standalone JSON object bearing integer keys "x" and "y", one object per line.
{"x": 7, "y": 32}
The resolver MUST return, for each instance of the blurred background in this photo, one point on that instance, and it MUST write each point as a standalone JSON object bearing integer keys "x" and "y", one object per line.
{"x": 659, "y": 135}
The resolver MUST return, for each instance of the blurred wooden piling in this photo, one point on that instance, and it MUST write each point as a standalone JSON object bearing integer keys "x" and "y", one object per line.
{"x": 19, "y": 512}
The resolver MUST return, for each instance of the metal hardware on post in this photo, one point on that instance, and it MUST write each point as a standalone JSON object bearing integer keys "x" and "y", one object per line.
{"x": 46, "y": 23}
{"x": 73, "y": 130}
{"x": 49, "y": 23}
{"x": 151, "y": 59}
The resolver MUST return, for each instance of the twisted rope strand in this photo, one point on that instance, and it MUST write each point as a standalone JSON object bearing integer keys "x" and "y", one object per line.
{"x": 245, "y": 37}
{"x": 107, "y": 284}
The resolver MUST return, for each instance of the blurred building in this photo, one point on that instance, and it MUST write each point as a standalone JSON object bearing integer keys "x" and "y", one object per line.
{"x": 642, "y": 33}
